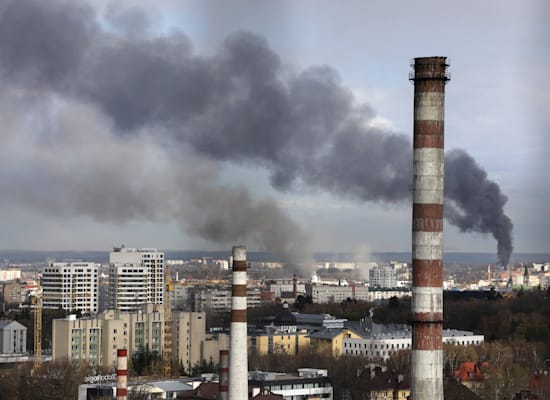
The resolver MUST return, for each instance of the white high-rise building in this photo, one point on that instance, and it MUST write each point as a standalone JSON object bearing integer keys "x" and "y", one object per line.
{"x": 136, "y": 277}
{"x": 71, "y": 286}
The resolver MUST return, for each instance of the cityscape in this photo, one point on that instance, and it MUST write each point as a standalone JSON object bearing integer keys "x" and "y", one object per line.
{"x": 289, "y": 200}
{"x": 146, "y": 303}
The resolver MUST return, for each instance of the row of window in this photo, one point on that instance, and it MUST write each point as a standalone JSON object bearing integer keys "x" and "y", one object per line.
{"x": 375, "y": 345}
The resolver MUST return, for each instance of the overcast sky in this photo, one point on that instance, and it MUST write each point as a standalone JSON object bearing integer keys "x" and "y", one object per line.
{"x": 198, "y": 124}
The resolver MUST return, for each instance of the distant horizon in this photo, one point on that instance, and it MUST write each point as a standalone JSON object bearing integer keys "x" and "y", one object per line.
{"x": 35, "y": 256}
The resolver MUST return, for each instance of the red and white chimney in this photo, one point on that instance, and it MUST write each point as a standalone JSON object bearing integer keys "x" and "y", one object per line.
{"x": 238, "y": 357}
{"x": 429, "y": 77}
{"x": 223, "y": 386}
{"x": 122, "y": 374}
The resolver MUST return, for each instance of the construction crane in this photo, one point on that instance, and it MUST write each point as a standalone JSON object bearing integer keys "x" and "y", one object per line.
{"x": 167, "y": 352}
{"x": 37, "y": 302}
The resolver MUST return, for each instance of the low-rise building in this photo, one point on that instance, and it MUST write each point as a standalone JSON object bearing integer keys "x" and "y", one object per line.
{"x": 379, "y": 341}
{"x": 281, "y": 336}
{"x": 380, "y": 384}
{"x": 471, "y": 375}
{"x": 13, "y": 337}
{"x": 379, "y": 293}
{"x": 308, "y": 383}
{"x": 332, "y": 339}
{"x": 320, "y": 293}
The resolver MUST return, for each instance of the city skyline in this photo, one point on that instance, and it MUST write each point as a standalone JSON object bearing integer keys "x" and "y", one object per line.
{"x": 87, "y": 166}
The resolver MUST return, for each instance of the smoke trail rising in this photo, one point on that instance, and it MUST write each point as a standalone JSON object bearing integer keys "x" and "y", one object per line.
{"x": 238, "y": 105}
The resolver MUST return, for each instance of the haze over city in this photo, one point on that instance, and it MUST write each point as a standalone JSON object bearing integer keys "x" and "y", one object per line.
{"x": 285, "y": 125}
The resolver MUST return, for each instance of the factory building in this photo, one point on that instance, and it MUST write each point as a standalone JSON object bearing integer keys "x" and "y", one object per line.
{"x": 71, "y": 286}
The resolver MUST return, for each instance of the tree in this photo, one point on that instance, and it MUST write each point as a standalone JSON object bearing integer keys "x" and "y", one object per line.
{"x": 204, "y": 367}
{"x": 145, "y": 361}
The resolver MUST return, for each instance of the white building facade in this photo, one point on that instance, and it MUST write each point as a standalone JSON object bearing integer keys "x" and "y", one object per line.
{"x": 308, "y": 383}
{"x": 13, "y": 337}
{"x": 9, "y": 274}
{"x": 336, "y": 293}
{"x": 71, "y": 286}
{"x": 136, "y": 277}
{"x": 381, "y": 346}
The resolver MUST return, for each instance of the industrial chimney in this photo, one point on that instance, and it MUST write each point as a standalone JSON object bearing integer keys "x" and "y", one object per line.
{"x": 238, "y": 356}
{"x": 121, "y": 374}
{"x": 429, "y": 77}
{"x": 223, "y": 386}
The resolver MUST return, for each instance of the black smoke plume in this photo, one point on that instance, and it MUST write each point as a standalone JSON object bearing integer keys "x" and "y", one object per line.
{"x": 477, "y": 204}
{"x": 238, "y": 105}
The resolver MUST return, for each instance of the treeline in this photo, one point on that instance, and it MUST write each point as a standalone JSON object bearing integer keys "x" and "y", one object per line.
{"x": 521, "y": 315}
{"x": 525, "y": 315}
{"x": 52, "y": 381}
{"x": 507, "y": 368}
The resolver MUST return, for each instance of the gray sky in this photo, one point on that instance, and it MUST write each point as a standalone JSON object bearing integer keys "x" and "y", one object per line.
{"x": 163, "y": 124}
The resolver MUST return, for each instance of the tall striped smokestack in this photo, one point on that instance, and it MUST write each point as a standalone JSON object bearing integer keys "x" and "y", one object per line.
{"x": 224, "y": 375}
{"x": 238, "y": 357}
{"x": 429, "y": 77}
{"x": 121, "y": 373}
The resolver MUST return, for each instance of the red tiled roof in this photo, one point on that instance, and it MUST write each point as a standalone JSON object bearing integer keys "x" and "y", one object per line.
{"x": 540, "y": 383}
{"x": 205, "y": 391}
{"x": 470, "y": 371}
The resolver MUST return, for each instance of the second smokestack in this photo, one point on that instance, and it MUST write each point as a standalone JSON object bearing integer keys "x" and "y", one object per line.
{"x": 224, "y": 375}
{"x": 238, "y": 350}
{"x": 122, "y": 374}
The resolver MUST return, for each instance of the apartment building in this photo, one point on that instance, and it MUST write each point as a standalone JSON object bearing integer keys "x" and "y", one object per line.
{"x": 218, "y": 299}
{"x": 321, "y": 293}
{"x": 71, "y": 286}
{"x": 382, "y": 276}
{"x": 188, "y": 337}
{"x": 136, "y": 277}
{"x": 96, "y": 339}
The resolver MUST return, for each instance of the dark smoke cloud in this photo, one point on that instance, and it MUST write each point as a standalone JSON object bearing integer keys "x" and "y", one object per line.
{"x": 477, "y": 203}
{"x": 238, "y": 105}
